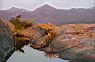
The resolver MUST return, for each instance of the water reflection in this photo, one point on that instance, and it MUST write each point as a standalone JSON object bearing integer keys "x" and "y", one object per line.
{"x": 32, "y": 55}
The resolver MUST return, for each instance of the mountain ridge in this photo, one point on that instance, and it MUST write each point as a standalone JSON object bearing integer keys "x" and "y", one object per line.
{"x": 47, "y": 13}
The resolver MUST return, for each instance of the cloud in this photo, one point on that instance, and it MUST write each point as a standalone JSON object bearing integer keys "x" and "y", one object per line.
{"x": 1, "y": 4}
{"x": 28, "y": 4}
{"x": 31, "y": 4}
{"x": 71, "y": 3}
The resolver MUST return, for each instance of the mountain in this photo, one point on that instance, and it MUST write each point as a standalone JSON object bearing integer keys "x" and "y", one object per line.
{"x": 6, "y": 14}
{"x": 47, "y": 13}
{"x": 13, "y": 9}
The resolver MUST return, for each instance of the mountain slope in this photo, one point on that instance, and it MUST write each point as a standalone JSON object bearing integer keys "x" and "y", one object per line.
{"x": 47, "y": 13}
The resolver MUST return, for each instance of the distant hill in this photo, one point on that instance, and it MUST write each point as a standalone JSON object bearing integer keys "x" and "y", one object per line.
{"x": 47, "y": 13}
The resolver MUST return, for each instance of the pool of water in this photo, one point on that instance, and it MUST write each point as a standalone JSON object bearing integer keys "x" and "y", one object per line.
{"x": 32, "y": 55}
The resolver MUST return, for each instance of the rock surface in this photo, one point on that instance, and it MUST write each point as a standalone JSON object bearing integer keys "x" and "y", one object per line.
{"x": 76, "y": 43}
{"x": 73, "y": 42}
{"x": 6, "y": 43}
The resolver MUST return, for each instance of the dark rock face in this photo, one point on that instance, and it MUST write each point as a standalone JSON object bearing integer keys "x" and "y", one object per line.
{"x": 6, "y": 43}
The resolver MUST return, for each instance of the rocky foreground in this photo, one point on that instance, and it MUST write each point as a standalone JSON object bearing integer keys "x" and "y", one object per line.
{"x": 73, "y": 42}
{"x": 77, "y": 43}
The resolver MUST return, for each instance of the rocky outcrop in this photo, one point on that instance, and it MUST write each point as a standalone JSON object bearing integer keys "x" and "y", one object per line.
{"x": 73, "y": 42}
{"x": 6, "y": 43}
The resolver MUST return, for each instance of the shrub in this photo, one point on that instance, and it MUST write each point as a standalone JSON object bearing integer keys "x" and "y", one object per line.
{"x": 19, "y": 24}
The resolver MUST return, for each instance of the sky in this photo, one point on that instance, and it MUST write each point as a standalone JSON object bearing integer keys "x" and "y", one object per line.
{"x": 32, "y": 4}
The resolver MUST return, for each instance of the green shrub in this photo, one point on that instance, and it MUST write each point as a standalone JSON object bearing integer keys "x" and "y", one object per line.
{"x": 19, "y": 24}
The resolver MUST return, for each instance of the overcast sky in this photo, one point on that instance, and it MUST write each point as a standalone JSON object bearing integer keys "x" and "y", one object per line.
{"x": 32, "y": 4}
